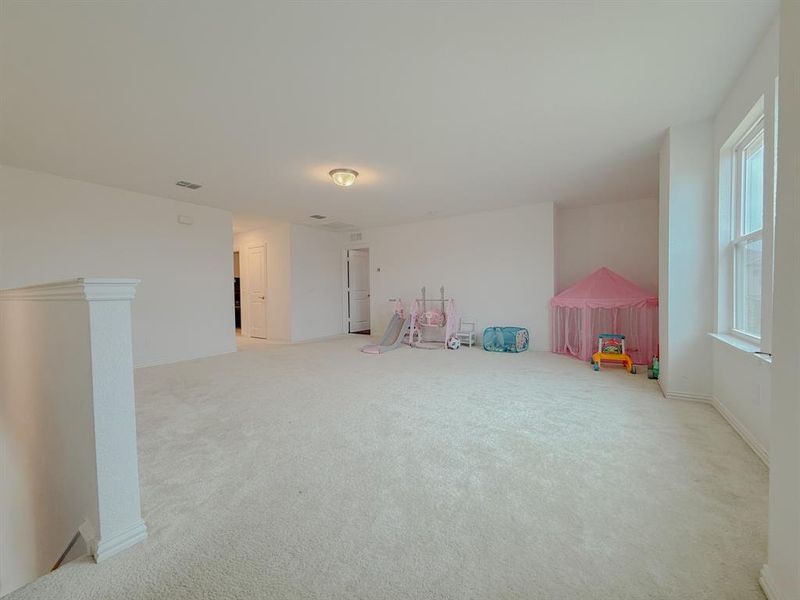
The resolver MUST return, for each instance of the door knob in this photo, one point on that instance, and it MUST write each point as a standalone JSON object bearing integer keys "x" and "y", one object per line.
{"x": 262, "y": 297}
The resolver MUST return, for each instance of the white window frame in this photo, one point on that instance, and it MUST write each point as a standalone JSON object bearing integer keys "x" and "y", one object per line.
{"x": 737, "y": 237}
{"x": 764, "y": 110}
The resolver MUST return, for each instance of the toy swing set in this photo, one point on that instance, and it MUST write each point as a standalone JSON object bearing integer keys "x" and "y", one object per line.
{"x": 431, "y": 325}
{"x": 433, "y": 322}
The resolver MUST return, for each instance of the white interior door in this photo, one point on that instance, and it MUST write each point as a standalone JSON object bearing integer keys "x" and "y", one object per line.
{"x": 257, "y": 290}
{"x": 358, "y": 290}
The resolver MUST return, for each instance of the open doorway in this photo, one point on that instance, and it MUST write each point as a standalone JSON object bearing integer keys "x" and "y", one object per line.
{"x": 237, "y": 294}
{"x": 357, "y": 291}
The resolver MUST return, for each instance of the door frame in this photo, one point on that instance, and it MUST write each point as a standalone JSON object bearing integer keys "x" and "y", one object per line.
{"x": 244, "y": 287}
{"x": 238, "y": 255}
{"x": 345, "y": 283}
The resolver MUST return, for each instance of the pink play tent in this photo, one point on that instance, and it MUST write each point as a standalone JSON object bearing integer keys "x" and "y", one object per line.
{"x": 605, "y": 302}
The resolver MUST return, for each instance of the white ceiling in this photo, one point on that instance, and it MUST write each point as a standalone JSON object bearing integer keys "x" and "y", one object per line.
{"x": 444, "y": 107}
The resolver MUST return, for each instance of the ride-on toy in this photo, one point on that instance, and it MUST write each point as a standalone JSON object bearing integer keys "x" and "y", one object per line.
{"x": 611, "y": 348}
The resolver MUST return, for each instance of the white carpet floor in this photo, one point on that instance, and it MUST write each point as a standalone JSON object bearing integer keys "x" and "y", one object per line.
{"x": 315, "y": 471}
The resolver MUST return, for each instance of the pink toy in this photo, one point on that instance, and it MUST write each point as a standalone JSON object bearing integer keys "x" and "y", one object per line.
{"x": 434, "y": 318}
{"x": 395, "y": 332}
{"x": 605, "y": 301}
{"x": 400, "y": 308}
{"x": 432, "y": 327}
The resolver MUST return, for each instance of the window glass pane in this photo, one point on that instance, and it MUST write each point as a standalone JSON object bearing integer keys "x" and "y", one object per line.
{"x": 748, "y": 288}
{"x": 753, "y": 186}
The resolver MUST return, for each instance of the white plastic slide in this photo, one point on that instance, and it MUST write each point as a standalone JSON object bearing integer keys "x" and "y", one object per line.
{"x": 395, "y": 331}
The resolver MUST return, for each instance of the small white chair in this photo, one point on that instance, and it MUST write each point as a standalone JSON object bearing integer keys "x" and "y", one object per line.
{"x": 466, "y": 332}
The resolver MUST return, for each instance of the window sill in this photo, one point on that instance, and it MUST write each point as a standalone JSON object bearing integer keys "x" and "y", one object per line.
{"x": 741, "y": 345}
{"x": 764, "y": 358}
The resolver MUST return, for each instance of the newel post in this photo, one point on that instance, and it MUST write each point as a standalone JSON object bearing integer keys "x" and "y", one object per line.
{"x": 118, "y": 523}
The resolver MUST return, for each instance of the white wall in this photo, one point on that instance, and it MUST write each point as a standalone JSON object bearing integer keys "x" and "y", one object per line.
{"x": 622, "y": 236}
{"x": 317, "y": 293}
{"x": 740, "y": 381}
{"x": 53, "y": 229}
{"x": 46, "y": 450}
{"x": 304, "y": 280}
{"x": 686, "y": 260}
{"x": 781, "y": 576}
{"x": 741, "y": 388}
{"x": 277, "y": 238}
{"x": 498, "y": 265}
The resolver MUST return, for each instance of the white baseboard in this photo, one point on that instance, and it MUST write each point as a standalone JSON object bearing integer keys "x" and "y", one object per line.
{"x": 770, "y": 591}
{"x": 692, "y": 397}
{"x": 122, "y": 541}
{"x": 743, "y": 432}
{"x": 157, "y": 362}
{"x": 326, "y": 337}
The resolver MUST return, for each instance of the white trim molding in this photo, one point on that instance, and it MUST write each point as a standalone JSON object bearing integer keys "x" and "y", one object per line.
{"x": 768, "y": 585}
{"x": 106, "y": 548}
{"x": 743, "y": 432}
{"x": 690, "y": 396}
{"x": 82, "y": 288}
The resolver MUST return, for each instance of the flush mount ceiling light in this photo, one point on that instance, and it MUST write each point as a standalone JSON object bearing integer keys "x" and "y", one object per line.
{"x": 344, "y": 177}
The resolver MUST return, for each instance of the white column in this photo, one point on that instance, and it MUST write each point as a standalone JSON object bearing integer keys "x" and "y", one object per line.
{"x": 686, "y": 259}
{"x": 119, "y": 523}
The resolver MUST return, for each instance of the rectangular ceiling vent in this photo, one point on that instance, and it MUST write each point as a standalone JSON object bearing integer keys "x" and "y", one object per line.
{"x": 188, "y": 184}
{"x": 356, "y": 237}
{"x": 317, "y": 217}
{"x": 338, "y": 226}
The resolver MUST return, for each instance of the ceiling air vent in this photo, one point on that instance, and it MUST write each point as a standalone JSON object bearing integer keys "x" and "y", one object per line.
{"x": 317, "y": 217}
{"x": 337, "y": 226}
{"x": 188, "y": 184}
{"x": 356, "y": 237}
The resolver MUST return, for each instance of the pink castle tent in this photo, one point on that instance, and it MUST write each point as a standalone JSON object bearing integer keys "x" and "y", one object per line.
{"x": 605, "y": 302}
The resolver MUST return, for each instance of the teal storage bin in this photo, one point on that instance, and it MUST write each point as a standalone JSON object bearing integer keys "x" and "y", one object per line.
{"x": 505, "y": 339}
